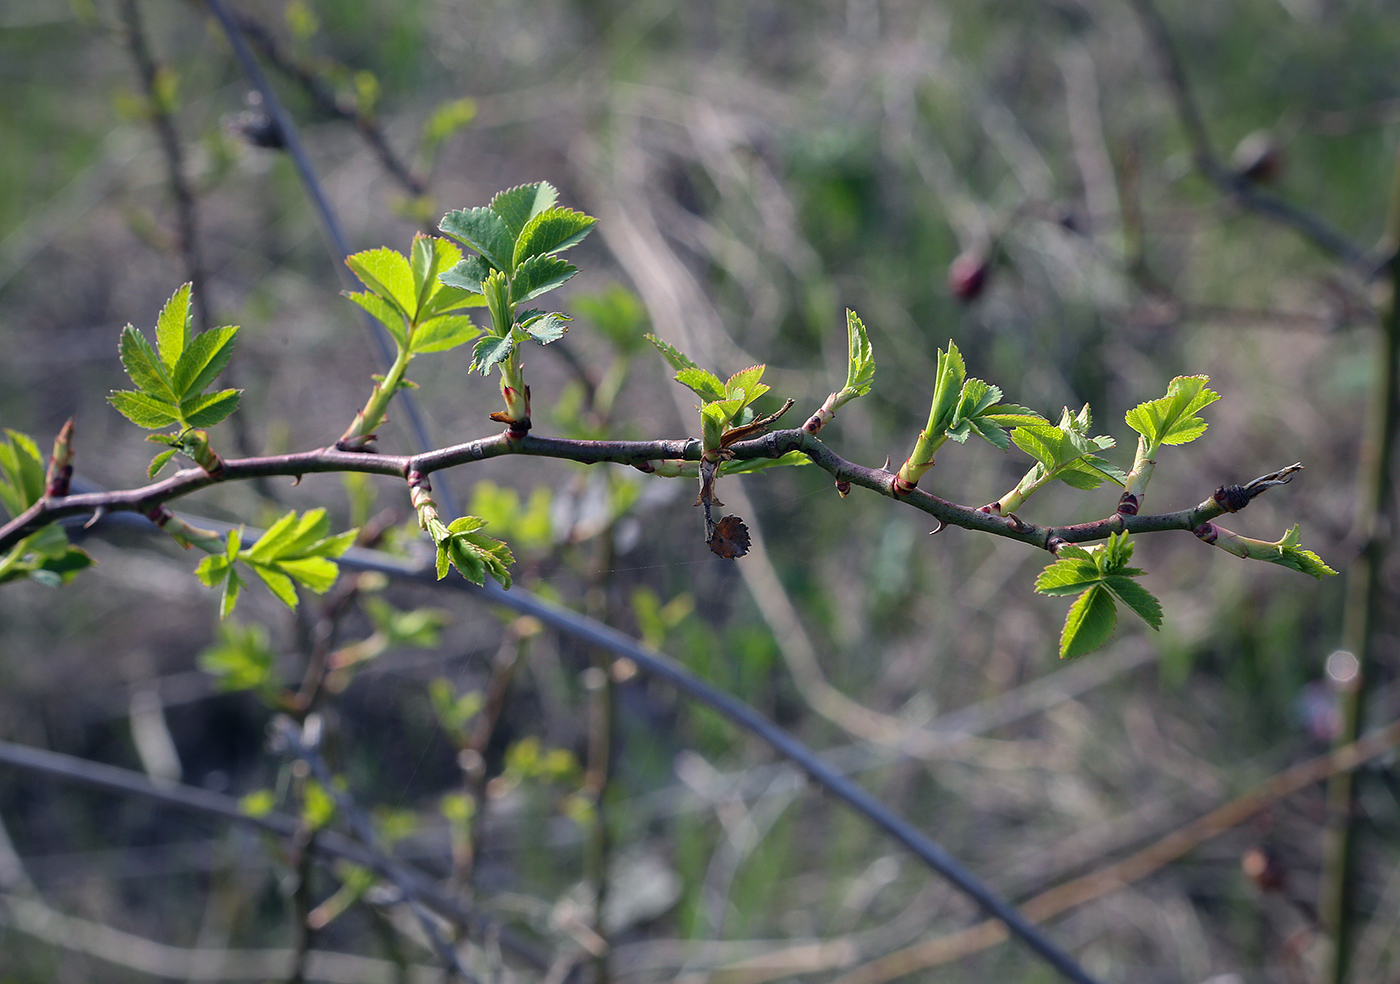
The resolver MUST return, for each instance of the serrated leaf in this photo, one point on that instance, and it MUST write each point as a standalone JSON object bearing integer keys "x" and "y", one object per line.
{"x": 1041, "y": 441}
{"x": 443, "y": 333}
{"x": 316, "y": 573}
{"x": 173, "y": 328}
{"x": 675, "y": 357}
{"x": 277, "y": 582}
{"x": 550, "y": 232}
{"x": 860, "y": 357}
{"x": 1172, "y": 419}
{"x": 427, "y": 257}
{"x": 159, "y": 462}
{"x": 538, "y": 275}
{"x": 745, "y": 384}
{"x": 382, "y": 311}
{"x": 522, "y": 203}
{"x": 23, "y": 472}
{"x": 1089, "y": 624}
{"x": 1068, "y": 574}
{"x": 991, "y": 432}
{"x": 976, "y": 397}
{"x": 546, "y": 328}
{"x": 208, "y": 410}
{"x": 143, "y": 365}
{"x": 143, "y": 409}
{"x": 449, "y": 299}
{"x": 701, "y": 382}
{"x": 484, "y": 231}
{"x": 388, "y": 274}
{"x": 489, "y": 351}
{"x": 1136, "y": 597}
{"x": 746, "y": 466}
{"x": 467, "y": 274}
{"x": 205, "y": 356}
{"x": 1294, "y": 557}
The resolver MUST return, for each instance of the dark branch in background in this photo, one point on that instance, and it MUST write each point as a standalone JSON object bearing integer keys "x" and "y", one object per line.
{"x": 1228, "y": 180}
{"x": 328, "y": 843}
{"x": 151, "y": 498}
{"x": 157, "y": 105}
{"x": 301, "y": 743}
{"x": 327, "y": 102}
{"x": 330, "y": 226}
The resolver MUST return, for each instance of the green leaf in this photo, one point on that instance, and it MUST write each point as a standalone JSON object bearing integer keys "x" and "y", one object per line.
{"x": 702, "y": 383}
{"x": 277, "y": 582}
{"x": 173, "y": 328}
{"x": 489, "y": 351}
{"x": 484, "y": 231}
{"x": 745, "y": 384}
{"x": 443, "y": 333}
{"x": 382, "y": 311}
{"x": 387, "y": 273}
{"x": 496, "y": 289}
{"x": 678, "y": 360}
{"x": 208, "y": 410}
{"x": 749, "y": 465}
{"x": 1041, "y": 441}
{"x": 143, "y": 365}
{"x": 446, "y": 119}
{"x": 205, "y": 356}
{"x": 1294, "y": 557}
{"x": 1172, "y": 419}
{"x": 1072, "y": 572}
{"x": 860, "y": 357}
{"x": 522, "y": 203}
{"x": 143, "y": 409}
{"x": 1136, "y": 597}
{"x": 538, "y": 275}
{"x": 21, "y": 471}
{"x": 159, "y": 462}
{"x": 467, "y": 275}
{"x": 550, "y": 232}
{"x": 449, "y": 299}
{"x": 1011, "y": 415}
{"x": 546, "y": 328}
{"x": 316, "y": 573}
{"x": 1089, "y": 624}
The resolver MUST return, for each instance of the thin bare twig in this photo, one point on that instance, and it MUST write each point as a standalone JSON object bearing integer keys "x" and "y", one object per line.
{"x": 1230, "y": 182}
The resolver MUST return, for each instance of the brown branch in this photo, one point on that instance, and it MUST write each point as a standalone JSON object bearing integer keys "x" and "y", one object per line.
{"x": 639, "y": 453}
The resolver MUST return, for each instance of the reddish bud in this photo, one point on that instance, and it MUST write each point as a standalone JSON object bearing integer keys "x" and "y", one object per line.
{"x": 1258, "y": 158}
{"x": 967, "y": 275}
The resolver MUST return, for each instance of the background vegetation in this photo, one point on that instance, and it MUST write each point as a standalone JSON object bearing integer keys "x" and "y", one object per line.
{"x": 756, "y": 168}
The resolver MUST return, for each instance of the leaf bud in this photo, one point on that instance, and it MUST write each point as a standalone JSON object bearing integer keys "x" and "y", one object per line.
{"x": 967, "y": 275}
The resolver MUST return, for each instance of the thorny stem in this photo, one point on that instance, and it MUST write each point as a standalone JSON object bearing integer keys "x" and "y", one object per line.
{"x": 636, "y": 453}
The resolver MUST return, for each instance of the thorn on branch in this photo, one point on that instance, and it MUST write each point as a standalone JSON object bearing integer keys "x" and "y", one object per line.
{"x": 941, "y": 527}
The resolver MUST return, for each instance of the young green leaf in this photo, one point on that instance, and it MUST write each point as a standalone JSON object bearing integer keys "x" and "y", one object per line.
{"x": 1089, "y": 624}
{"x": 551, "y": 231}
{"x": 203, "y": 359}
{"x": 538, "y": 275}
{"x": 489, "y": 351}
{"x": 701, "y": 382}
{"x": 545, "y": 327}
{"x": 443, "y": 333}
{"x": 388, "y": 274}
{"x": 143, "y": 409}
{"x": 675, "y": 357}
{"x": 382, "y": 311}
{"x": 160, "y": 461}
{"x": 860, "y": 358}
{"x": 483, "y": 230}
{"x": 467, "y": 275}
{"x": 1172, "y": 419}
{"x": 143, "y": 365}
{"x": 209, "y": 409}
{"x": 173, "y": 327}
{"x": 745, "y": 385}
{"x": 521, "y": 204}
{"x": 21, "y": 472}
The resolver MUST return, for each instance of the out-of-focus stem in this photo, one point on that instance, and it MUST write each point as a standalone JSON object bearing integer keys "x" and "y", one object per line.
{"x": 1337, "y": 894}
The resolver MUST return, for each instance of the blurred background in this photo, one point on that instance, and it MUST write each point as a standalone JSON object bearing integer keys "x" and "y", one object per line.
{"x": 1011, "y": 175}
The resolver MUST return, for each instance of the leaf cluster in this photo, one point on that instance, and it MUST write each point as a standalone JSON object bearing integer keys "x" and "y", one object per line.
{"x": 405, "y": 295}
{"x": 1098, "y": 575}
{"x": 172, "y": 377}
{"x": 294, "y": 550}
{"x": 45, "y": 556}
{"x": 516, "y": 239}
{"x": 724, "y": 403}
